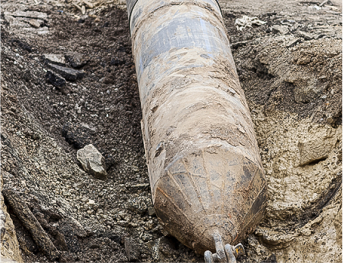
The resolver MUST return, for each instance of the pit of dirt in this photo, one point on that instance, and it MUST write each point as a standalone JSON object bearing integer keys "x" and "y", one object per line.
{"x": 290, "y": 70}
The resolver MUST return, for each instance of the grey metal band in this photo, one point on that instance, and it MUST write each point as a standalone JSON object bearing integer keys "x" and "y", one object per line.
{"x": 130, "y": 4}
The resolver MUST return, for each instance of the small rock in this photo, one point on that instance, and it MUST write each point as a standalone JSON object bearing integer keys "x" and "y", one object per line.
{"x": 78, "y": 108}
{"x": 280, "y": 29}
{"x": 67, "y": 73}
{"x": 246, "y": 22}
{"x": 28, "y": 14}
{"x": 36, "y": 23}
{"x": 305, "y": 35}
{"x": 314, "y": 150}
{"x": 292, "y": 42}
{"x": 92, "y": 161}
{"x": 55, "y": 79}
{"x": 91, "y": 202}
{"x": 271, "y": 259}
{"x": 151, "y": 211}
{"x": 76, "y": 60}
{"x": 138, "y": 187}
{"x": 55, "y": 58}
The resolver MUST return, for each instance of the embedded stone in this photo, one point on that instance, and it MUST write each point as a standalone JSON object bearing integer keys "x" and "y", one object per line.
{"x": 92, "y": 161}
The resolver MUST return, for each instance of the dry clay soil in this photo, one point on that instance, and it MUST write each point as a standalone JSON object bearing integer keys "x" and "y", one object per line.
{"x": 289, "y": 68}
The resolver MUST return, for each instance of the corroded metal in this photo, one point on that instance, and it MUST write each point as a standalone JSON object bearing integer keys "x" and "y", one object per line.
{"x": 204, "y": 166}
{"x": 225, "y": 254}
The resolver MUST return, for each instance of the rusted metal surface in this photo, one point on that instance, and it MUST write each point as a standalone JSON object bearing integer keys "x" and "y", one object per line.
{"x": 203, "y": 160}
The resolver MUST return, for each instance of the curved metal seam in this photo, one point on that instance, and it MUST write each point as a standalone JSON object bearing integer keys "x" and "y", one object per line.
{"x": 195, "y": 188}
{"x": 179, "y": 187}
{"x": 244, "y": 225}
{"x": 175, "y": 205}
{"x": 220, "y": 18}
{"x": 130, "y": 11}
{"x": 208, "y": 182}
{"x": 133, "y": 6}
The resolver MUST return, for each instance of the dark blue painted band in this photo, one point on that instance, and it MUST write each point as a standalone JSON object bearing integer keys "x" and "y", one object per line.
{"x": 130, "y": 4}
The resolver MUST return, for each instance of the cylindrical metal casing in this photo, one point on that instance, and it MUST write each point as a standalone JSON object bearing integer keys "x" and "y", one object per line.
{"x": 203, "y": 160}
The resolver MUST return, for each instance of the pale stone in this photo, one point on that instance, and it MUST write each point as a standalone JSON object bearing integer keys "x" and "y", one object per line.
{"x": 35, "y": 23}
{"x": 92, "y": 161}
{"x": 280, "y": 29}
{"x": 314, "y": 150}
{"x": 55, "y": 58}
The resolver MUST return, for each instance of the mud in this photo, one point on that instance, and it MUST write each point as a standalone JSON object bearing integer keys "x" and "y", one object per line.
{"x": 292, "y": 82}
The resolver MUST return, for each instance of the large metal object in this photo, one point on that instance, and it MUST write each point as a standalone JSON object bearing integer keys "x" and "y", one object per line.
{"x": 205, "y": 171}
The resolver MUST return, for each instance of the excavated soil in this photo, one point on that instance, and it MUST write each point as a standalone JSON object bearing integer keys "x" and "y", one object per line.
{"x": 290, "y": 70}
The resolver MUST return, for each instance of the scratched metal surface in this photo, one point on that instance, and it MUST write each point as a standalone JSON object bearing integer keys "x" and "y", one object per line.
{"x": 204, "y": 165}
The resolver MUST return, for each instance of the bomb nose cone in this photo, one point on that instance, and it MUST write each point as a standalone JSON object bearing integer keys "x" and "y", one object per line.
{"x": 213, "y": 191}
